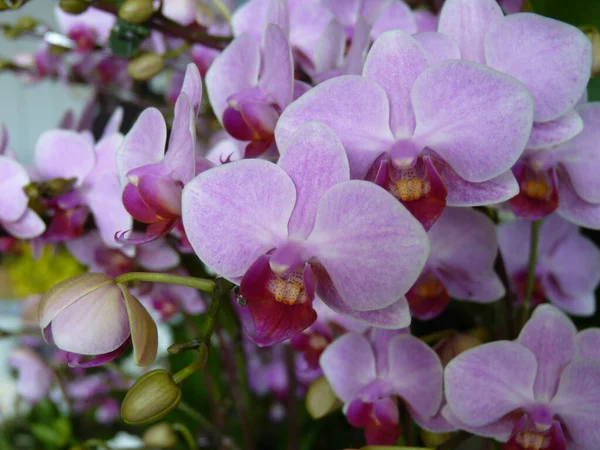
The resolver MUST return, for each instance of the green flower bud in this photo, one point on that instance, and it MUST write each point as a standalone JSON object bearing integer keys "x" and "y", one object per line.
{"x": 160, "y": 435}
{"x": 145, "y": 66}
{"x": 136, "y": 11}
{"x": 594, "y": 36}
{"x": 74, "y": 6}
{"x": 151, "y": 398}
{"x": 320, "y": 399}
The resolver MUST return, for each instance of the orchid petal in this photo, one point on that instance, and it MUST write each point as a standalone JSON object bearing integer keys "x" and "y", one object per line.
{"x": 13, "y": 178}
{"x": 395, "y": 61}
{"x": 144, "y": 144}
{"x": 28, "y": 226}
{"x": 589, "y": 343}
{"x": 476, "y": 119}
{"x": 555, "y": 132}
{"x": 114, "y": 122}
{"x": 370, "y": 245}
{"x": 551, "y": 58}
{"x": 249, "y": 18}
{"x": 396, "y": 16}
{"x": 157, "y": 256}
{"x": 573, "y": 208}
{"x": 181, "y": 156}
{"x": 338, "y": 362}
{"x": 551, "y": 337}
{"x": 329, "y": 52}
{"x": 192, "y": 86}
{"x": 315, "y": 160}
{"x": 144, "y": 334}
{"x": 487, "y": 382}
{"x": 277, "y": 74}
{"x": 468, "y": 22}
{"x": 437, "y": 46}
{"x": 236, "y": 212}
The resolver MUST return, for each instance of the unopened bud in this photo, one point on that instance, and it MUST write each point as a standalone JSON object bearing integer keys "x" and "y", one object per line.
{"x": 160, "y": 435}
{"x": 433, "y": 440}
{"x": 320, "y": 399}
{"x": 145, "y": 66}
{"x": 594, "y": 36}
{"x": 450, "y": 347}
{"x": 151, "y": 398}
{"x": 74, "y": 6}
{"x": 136, "y": 11}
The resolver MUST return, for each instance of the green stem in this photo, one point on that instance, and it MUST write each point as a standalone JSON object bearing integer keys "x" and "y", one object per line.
{"x": 187, "y": 435}
{"x": 198, "y": 417}
{"x": 167, "y": 278}
{"x": 178, "y": 51}
{"x": 533, "y": 251}
{"x": 194, "y": 367}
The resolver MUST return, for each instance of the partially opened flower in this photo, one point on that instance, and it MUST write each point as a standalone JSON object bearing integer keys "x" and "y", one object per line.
{"x": 568, "y": 264}
{"x": 95, "y": 321}
{"x": 551, "y": 58}
{"x": 285, "y": 231}
{"x": 152, "y": 179}
{"x": 248, "y": 87}
{"x": 563, "y": 178}
{"x": 369, "y": 375}
{"x": 34, "y": 375}
{"x": 88, "y": 29}
{"x": 460, "y": 265}
{"x": 430, "y": 134}
{"x": 15, "y": 215}
{"x": 535, "y": 392}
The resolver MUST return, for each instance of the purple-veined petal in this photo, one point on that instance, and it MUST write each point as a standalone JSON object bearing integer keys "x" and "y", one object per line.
{"x": 192, "y": 86}
{"x": 415, "y": 372}
{"x": 463, "y": 193}
{"x": 395, "y": 61}
{"x": 589, "y": 343}
{"x": 234, "y": 70}
{"x": 329, "y": 52}
{"x": 64, "y": 154}
{"x": 466, "y": 275}
{"x": 577, "y": 402}
{"x": 500, "y": 429}
{"x": 92, "y": 325}
{"x": 28, "y": 226}
{"x": 581, "y": 155}
{"x": 467, "y": 22}
{"x": 315, "y": 160}
{"x": 144, "y": 144}
{"x": 13, "y": 178}
{"x": 397, "y": 15}
{"x": 181, "y": 154}
{"x": 236, "y": 212}
{"x": 438, "y": 47}
{"x": 487, "y": 382}
{"x": 551, "y": 58}
{"x": 338, "y": 362}
{"x": 355, "y": 108}
{"x": 478, "y": 120}
{"x": 394, "y": 316}
{"x": 437, "y": 423}
{"x": 277, "y": 73}
{"x": 555, "y": 132}
{"x": 573, "y": 208}
{"x": 551, "y": 336}
{"x": 104, "y": 200}
{"x": 370, "y": 245}
{"x": 144, "y": 335}
{"x": 114, "y": 122}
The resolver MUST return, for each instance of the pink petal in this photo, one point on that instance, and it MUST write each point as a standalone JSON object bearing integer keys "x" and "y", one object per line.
{"x": 370, "y": 245}
{"x": 192, "y": 86}
{"x": 277, "y": 73}
{"x": 329, "y": 52}
{"x": 114, "y": 122}
{"x": 181, "y": 154}
{"x": 13, "y": 178}
{"x": 573, "y": 208}
{"x": 475, "y": 118}
{"x": 437, "y": 46}
{"x": 236, "y": 212}
{"x": 551, "y": 58}
{"x": 555, "y": 132}
{"x": 144, "y": 335}
{"x": 589, "y": 343}
{"x": 28, "y": 226}
{"x": 396, "y": 16}
{"x": 467, "y": 22}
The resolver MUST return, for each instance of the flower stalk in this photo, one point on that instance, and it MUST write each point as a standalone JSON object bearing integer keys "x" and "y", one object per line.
{"x": 533, "y": 251}
{"x": 197, "y": 283}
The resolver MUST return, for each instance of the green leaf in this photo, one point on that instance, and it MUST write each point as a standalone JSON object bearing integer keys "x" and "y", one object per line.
{"x": 575, "y": 12}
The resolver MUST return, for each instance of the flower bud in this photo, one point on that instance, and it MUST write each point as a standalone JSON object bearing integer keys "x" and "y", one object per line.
{"x": 320, "y": 399}
{"x": 74, "y": 6}
{"x": 594, "y": 35}
{"x": 136, "y": 11}
{"x": 450, "y": 347}
{"x": 145, "y": 66}
{"x": 433, "y": 440}
{"x": 160, "y": 435}
{"x": 151, "y": 398}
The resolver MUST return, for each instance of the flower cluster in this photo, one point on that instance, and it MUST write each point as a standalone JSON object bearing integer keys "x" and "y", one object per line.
{"x": 387, "y": 199}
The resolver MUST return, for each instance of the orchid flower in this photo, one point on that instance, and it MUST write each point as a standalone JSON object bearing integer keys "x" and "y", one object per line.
{"x": 551, "y": 58}
{"x": 88, "y": 29}
{"x": 248, "y": 87}
{"x": 34, "y": 375}
{"x": 430, "y": 134}
{"x": 535, "y": 392}
{"x": 286, "y": 231}
{"x": 153, "y": 180}
{"x": 568, "y": 269}
{"x": 95, "y": 321}
{"x": 368, "y": 375}
{"x": 460, "y": 265}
